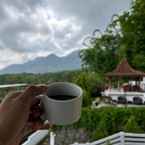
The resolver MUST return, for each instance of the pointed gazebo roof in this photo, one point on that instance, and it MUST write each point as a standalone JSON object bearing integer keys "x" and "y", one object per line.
{"x": 124, "y": 69}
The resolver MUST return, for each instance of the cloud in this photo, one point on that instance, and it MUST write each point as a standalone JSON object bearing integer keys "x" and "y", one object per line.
{"x": 31, "y": 28}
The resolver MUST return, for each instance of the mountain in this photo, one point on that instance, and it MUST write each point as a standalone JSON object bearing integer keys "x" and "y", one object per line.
{"x": 51, "y": 63}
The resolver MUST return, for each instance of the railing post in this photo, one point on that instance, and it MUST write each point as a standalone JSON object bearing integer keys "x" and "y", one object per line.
{"x": 122, "y": 138}
{"x": 52, "y": 138}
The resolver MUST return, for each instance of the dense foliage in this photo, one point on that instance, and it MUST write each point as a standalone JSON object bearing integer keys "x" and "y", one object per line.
{"x": 88, "y": 82}
{"x": 102, "y": 56}
{"x": 38, "y": 78}
{"x": 106, "y": 121}
{"x": 124, "y": 37}
{"x": 132, "y": 27}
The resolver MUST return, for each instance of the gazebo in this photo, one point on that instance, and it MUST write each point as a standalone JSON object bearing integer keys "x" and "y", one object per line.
{"x": 123, "y": 69}
{"x": 130, "y": 92}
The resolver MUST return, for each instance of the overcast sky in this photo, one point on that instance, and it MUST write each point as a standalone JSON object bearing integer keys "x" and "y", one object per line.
{"x": 33, "y": 28}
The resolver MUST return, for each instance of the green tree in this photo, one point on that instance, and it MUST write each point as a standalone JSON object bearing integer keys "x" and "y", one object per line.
{"x": 102, "y": 56}
{"x": 132, "y": 27}
{"x": 123, "y": 37}
{"x": 88, "y": 81}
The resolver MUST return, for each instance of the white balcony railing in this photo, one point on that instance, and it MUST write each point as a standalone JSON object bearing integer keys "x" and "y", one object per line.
{"x": 120, "y": 138}
{"x": 36, "y": 137}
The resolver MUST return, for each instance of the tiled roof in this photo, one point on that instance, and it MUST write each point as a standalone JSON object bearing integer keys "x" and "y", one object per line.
{"x": 124, "y": 69}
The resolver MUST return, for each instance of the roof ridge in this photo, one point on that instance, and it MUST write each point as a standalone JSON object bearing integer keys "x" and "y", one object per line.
{"x": 125, "y": 69}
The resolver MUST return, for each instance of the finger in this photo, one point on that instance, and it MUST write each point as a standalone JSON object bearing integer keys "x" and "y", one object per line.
{"x": 43, "y": 89}
{"x": 36, "y": 101}
{"x": 31, "y": 92}
{"x": 46, "y": 126}
{"x": 28, "y": 94}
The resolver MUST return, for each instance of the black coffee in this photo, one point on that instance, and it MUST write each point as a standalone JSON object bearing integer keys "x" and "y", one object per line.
{"x": 62, "y": 97}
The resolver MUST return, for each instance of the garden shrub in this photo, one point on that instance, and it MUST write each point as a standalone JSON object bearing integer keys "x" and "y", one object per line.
{"x": 109, "y": 120}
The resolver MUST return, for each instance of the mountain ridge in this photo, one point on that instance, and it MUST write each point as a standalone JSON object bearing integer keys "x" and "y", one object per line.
{"x": 50, "y": 63}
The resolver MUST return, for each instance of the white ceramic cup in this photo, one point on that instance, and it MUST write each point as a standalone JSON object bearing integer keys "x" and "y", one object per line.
{"x": 66, "y": 111}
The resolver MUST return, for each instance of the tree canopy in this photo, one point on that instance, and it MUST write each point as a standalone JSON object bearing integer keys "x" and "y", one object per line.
{"x": 123, "y": 37}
